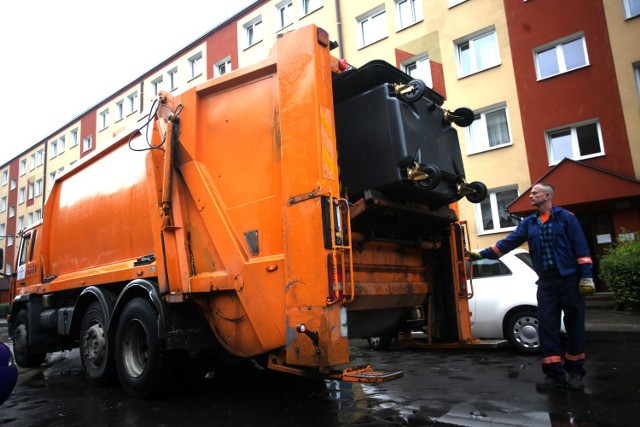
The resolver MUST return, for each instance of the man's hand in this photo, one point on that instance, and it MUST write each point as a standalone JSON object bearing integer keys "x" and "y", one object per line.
{"x": 475, "y": 256}
{"x": 587, "y": 287}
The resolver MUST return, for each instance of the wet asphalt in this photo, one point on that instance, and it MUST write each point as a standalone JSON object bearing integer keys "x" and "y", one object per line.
{"x": 470, "y": 387}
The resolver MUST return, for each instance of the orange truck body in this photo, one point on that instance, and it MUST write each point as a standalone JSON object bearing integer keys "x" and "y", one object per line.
{"x": 217, "y": 214}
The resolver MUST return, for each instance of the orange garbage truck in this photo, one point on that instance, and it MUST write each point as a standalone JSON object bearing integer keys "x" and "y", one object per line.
{"x": 272, "y": 213}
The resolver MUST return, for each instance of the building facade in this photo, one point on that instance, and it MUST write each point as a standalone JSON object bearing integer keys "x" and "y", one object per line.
{"x": 555, "y": 88}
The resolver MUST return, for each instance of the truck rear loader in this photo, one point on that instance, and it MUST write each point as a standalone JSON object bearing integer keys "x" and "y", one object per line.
{"x": 272, "y": 213}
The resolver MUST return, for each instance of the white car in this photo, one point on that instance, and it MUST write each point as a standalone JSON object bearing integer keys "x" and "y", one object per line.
{"x": 504, "y": 303}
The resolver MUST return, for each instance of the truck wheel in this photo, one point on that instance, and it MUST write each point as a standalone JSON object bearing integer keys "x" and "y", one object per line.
{"x": 141, "y": 357}
{"x": 96, "y": 352}
{"x": 25, "y": 356}
{"x": 521, "y": 330}
{"x": 478, "y": 192}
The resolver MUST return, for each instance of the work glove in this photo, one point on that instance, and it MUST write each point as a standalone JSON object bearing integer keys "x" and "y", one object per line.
{"x": 475, "y": 256}
{"x": 587, "y": 287}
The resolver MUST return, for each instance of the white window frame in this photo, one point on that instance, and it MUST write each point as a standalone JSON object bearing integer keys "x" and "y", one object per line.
{"x": 31, "y": 189}
{"x": 74, "y": 138}
{"x": 87, "y": 143}
{"x": 222, "y": 67}
{"x": 12, "y": 211}
{"x": 473, "y": 43}
{"x": 477, "y": 134}
{"x": 156, "y": 84}
{"x": 103, "y": 119}
{"x": 22, "y": 193}
{"x": 556, "y": 47}
{"x": 53, "y": 148}
{"x": 492, "y": 199}
{"x": 195, "y": 66}
{"x": 422, "y": 69}
{"x": 253, "y": 31}
{"x": 575, "y": 147}
{"x": 307, "y": 7}
{"x": 630, "y": 13}
{"x": 173, "y": 79}
{"x": 372, "y": 17}
{"x": 132, "y": 103}
{"x": 39, "y": 157}
{"x": 20, "y": 224}
{"x": 3, "y": 204}
{"x": 14, "y": 184}
{"x": 5, "y": 177}
{"x": 61, "y": 144}
{"x": 452, "y": 3}
{"x": 23, "y": 166}
{"x": 119, "y": 110}
{"x": 415, "y": 13}
{"x": 38, "y": 188}
{"x": 284, "y": 10}
{"x": 32, "y": 161}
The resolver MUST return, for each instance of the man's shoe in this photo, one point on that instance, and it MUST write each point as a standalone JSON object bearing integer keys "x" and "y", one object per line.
{"x": 575, "y": 382}
{"x": 550, "y": 383}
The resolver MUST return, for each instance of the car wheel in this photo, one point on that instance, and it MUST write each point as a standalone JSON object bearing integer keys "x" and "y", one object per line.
{"x": 521, "y": 330}
{"x": 380, "y": 343}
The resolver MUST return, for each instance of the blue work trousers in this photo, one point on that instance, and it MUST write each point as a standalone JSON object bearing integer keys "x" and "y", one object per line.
{"x": 557, "y": 294}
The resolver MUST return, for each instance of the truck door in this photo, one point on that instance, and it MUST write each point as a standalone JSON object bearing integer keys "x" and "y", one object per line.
{"x": 27, "y": 270}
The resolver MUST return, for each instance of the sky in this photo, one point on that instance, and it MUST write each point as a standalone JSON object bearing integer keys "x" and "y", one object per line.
{"x": 58, "y": 58}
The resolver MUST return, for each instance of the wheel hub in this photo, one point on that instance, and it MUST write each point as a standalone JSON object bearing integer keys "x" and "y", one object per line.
{"x": 94, "y": 345}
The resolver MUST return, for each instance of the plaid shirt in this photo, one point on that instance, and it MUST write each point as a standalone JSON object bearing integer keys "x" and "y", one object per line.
{"x": 546, "y": 243}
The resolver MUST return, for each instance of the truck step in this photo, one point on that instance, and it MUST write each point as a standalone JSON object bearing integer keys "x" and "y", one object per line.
{"x": 366, "y": 374}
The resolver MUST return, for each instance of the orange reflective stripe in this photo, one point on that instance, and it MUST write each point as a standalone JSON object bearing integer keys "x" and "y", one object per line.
{"x": 496, "y": 250}
{"x": 551, "y": 359}
{"x": 585, "y": 260}
{"x": 574, "y": 357}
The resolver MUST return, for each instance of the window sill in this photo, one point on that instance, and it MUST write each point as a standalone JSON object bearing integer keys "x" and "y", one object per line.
{"x": 460, "y": 77}
{"x": 193, "y": 78}
{"x": 312, "y": 12}
{"x": 578, "y": 159}
{"x": 419, "y": 21}
{"x": 563, "y": 73}
{"x": 502, "y": 230}
{"x": 252, "y": 45}
{"x": 372, "y": 43}
{"x": 510, "y": 144}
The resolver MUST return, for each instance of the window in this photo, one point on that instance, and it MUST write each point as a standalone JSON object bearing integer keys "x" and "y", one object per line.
{"x": 490, "y": 129}
{"x": 20, "y": 223}
{"x": 87, "y": 143}
{"x": 74, "y": 138}
{"x": 285, "y": 14}
{"x": 222, "y": 67}
{"x": 12, "y": 211}
{"x": 173, "y": 79}
{"x": 53, "y": 147}
{"x": 408, "y": 12}
{"x": 420, "y": 69}
{"x": 61, "y": 144}
{"x": 119, "y": 110}
{"x": 195, "y": 66}
{"x": 23, "y": 166}
{"x": 253, "y": 31}
{"x": 492, "y": 215}
{"x": 483, "y": 268}
{"x": 477, "y": 53}
{"x": 309, "y": 6}
{"x": 38, "y": 188}
{"x": 39, "y": 157}
{"x": 31, "y": 187}
{"x": 576, "y": 142}
{"x": 132, "y": 103}
{"x": 561, "y": 57}
{"x": 3, "y": 204}
{"x": 21, "y": 195}
{"x": 52, "y": 178}
{"x": 631, "y": 8}
{"x": 32, "y": 162}
{"x": 14, "y": 184}
{"x": 5, "y": 177}
{"x": 2, "y": 231}
{"x": 157, "y": 85}
{"x": 103, "y": 119}
{"x": 372, "y": 26}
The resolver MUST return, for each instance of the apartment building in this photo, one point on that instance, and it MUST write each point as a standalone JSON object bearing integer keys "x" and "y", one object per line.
{"x": 555, "y": 87}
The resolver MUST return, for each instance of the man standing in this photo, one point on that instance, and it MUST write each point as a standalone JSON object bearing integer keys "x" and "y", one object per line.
{"x": 561, "y": 259}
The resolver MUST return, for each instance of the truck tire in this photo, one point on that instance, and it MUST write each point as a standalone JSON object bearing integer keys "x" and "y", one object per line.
{"x": 25, "y": 356}
{"x": 142, "y": 361}
{"x": 96, "y": 352}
